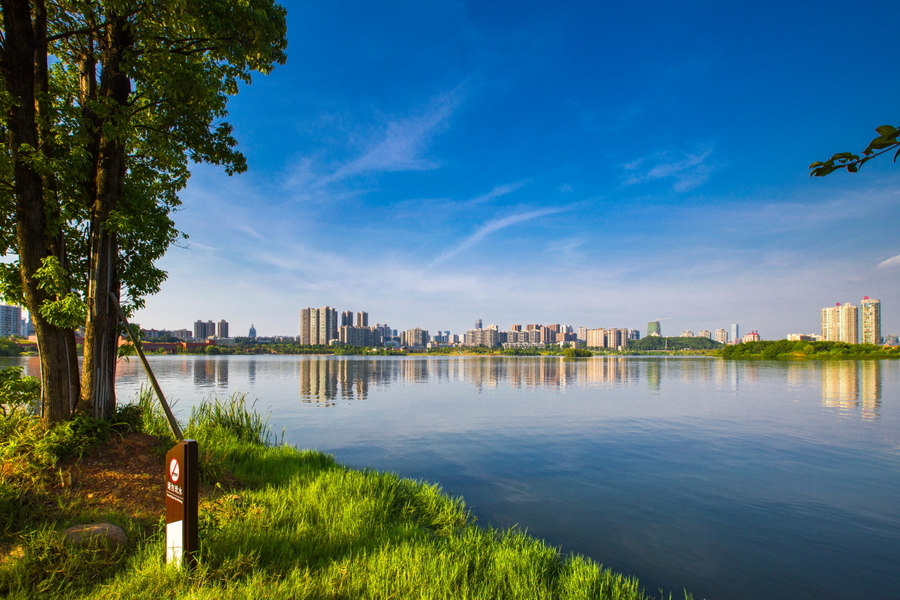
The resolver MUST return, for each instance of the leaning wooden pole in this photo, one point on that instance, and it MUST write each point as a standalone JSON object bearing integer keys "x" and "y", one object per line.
{"x": 173, "y": 423}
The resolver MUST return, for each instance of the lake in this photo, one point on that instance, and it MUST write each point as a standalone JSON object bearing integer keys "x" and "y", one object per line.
{"x": 733, "y": 480}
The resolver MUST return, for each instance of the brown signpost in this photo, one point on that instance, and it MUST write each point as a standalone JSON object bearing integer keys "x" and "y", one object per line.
{"x": 182, "y": 541}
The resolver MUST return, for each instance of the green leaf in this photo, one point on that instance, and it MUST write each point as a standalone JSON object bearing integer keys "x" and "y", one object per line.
{"x": 887, "y": 130}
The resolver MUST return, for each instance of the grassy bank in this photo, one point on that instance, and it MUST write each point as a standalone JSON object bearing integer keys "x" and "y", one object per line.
{"x": 276, "y": 522}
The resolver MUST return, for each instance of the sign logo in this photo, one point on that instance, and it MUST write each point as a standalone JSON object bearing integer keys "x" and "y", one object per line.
{"x": 174, "y": 471}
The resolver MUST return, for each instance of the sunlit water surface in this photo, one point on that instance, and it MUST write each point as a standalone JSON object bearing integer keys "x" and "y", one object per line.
{"x": 734, "y": 480}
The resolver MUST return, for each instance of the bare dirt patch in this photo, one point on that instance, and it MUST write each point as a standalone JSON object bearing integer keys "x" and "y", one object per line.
{"x": 125, "y": 475}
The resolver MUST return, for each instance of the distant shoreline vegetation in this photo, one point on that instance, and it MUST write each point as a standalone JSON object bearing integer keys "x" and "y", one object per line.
{"x": 648, "y": 346}
{"x": 787, "y": 350}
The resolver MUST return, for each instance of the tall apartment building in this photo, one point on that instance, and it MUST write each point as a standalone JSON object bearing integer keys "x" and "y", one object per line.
{"x": 840, "y": 323}
{"x": 10, "y": 320}
{"x": 360, "y": 336}
{"x": 318, "y": 326}
{"x": 607, "y": 338}
{"x": 362, "y": 319}
{"x": 222, "y": 329}
{"x": 417, "y": 338}
{"x": 347, "y": 318}
{"x": 705, "y": 333}
{"x": 483, "y": 337}
{"x": 735, "y": 333}
{"x": 203, "y": 330}
{"x": 721, "y": 336}
{"x": 871, "y": 320}
{"x": 477, "y": 323}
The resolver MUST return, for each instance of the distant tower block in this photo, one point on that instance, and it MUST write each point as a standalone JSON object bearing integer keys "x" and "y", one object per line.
{"x": 252, "y": 334}
{"x": 653, "y": 328}
{"x": 347, "y": 318}
{"x": 362, "y": 319}
{"x": 871, "y": 320}
{"x": 478, "y": 324}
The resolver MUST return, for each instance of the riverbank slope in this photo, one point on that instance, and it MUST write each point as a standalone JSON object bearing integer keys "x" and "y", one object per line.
{"x": 276, "y": 522}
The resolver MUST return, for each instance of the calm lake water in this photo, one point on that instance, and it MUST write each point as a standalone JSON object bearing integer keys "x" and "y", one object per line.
{"x": 734, "y": 480}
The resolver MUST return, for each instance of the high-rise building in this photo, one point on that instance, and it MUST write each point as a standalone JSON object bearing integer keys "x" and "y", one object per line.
{"x": 347, "y": 318}
{"x": 840, "y": 323}
{"x": 477, "y": 323}
{"x": 362, "y": 319}
{"x": 607, "y": 338}
{"x": 653, "y": 328}
{"x": 735, "y": 333}
{"x": 203, "y": 330}
{"x": 252, "y": 333}
{"x": 871, "y": 321}
{"x": 10, "y": 320}
{"x": 831, "y": 323}
{"x": 705, "y": 333}
{"x": 318, "y": 326}
{"x": 417, "y": 338}
{"x": 721, "y": 336}
{"x": 360, "y": 336}
{"x": 850, "y": 324}
{"x": 483, "y": 337}
{"x": 687, "y": 333}
{"x": 222, "y": 329}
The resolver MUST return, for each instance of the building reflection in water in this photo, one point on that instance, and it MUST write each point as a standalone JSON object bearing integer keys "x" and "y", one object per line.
{"x": 324, "y": 380}
{"x": 847, "y": 384}
{"x": 210, "y": 373}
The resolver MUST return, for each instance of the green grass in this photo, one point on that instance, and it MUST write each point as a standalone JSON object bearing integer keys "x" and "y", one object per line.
{"x": 300, "y": 525}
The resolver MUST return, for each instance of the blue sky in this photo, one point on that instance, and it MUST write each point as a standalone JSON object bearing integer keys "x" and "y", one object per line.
{"x": 595, "y": 164}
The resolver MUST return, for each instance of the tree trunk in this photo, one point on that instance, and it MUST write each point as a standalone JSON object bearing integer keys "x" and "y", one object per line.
{"x": 101, "y": 330}
{"x": 33, "y": 233}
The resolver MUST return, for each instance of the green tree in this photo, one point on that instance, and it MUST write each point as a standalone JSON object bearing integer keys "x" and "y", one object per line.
{"x": 885, "y": 142}
{"x": 136, "y": 90}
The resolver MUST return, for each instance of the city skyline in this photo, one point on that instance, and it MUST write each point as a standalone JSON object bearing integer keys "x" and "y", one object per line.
{"x": 844, "y": 323}
{"x": 573, "y": 162}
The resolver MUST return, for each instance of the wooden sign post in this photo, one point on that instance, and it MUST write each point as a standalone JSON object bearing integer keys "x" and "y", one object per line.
{"x": 182, "y": 541}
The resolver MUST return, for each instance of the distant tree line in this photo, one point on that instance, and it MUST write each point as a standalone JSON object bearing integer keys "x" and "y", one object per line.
{"x": 655, "y": 343}
{"x": 818, "y": 350}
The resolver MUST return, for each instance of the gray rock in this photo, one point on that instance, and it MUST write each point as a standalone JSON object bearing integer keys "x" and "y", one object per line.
{"x": 82, "y": 535}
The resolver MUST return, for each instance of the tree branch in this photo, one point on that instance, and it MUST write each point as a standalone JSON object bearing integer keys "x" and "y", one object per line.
{"x": 86, "y": 30}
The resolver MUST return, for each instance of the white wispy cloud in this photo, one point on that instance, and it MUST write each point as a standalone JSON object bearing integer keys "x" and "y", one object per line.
{"x": 432, "y": 206}
{"x": 893, "y": 261}
{"x": 497, "y": 192}
{"x": 397, "y": 145}
{"x": 687, "y": 169}
{"x": 492, "y": 226}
